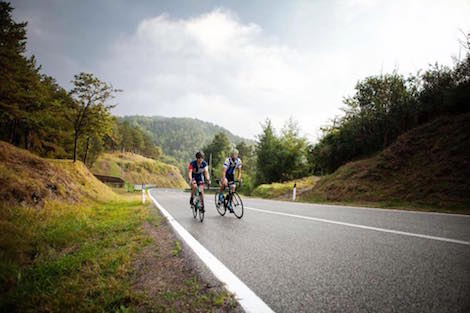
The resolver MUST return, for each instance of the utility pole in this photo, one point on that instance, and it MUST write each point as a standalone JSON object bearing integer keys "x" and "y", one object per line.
{"x": 122, "y": 157}
{"x": 210, "y": 164}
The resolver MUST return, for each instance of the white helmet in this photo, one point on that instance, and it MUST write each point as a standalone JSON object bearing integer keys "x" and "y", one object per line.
{"x": 234, "y": 153}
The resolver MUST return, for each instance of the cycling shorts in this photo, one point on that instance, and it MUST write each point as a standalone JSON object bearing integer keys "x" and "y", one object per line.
{"x": 199, "y": 179}
{"x": 230, "y": 177}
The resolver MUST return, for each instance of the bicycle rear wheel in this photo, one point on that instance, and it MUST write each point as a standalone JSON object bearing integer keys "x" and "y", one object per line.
{"x": 237, "y": 205}
{"x": 220, "y": 207}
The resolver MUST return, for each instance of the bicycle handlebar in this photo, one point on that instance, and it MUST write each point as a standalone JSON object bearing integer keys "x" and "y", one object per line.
{"x": 230, "y": 182}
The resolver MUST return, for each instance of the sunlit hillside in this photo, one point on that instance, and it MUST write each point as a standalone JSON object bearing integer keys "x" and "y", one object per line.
{"x": 137, "y": 169}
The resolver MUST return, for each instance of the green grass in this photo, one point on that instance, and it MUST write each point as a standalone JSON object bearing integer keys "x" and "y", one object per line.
{"x": 177, "y": 249}
{"x": 70, "y": 257}
{"x": 72, "y": 244}
{"x": 276, "y": 190}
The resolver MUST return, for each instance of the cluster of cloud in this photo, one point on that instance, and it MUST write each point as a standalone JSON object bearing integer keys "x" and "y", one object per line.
{"x": 216, "y": 68}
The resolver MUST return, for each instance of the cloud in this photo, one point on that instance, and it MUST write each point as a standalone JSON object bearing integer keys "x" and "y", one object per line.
{"x": 213, "y": 67}
{"x": 218, "y": 68}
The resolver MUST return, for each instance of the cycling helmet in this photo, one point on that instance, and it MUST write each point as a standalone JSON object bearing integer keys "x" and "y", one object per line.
{"x": 234, "y": 153}
{"x": 199, "y": 154}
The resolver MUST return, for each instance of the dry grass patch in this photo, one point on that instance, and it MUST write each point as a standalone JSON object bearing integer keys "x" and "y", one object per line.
{"x": 138, "y": 169}
{"x": 426, "y": 168}
{"x": 29, "y": 180}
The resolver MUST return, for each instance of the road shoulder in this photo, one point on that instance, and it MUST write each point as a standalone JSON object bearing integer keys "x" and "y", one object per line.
{"x": 169, "y": 280}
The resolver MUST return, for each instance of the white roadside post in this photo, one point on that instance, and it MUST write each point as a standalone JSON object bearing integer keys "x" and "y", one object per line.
{"x": 294, "y": 191}
{"x": 143, "y": 194}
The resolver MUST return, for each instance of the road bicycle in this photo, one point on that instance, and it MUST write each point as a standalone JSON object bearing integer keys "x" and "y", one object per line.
{"x": 232, "y": 201}
{"x": 197, "y": 205}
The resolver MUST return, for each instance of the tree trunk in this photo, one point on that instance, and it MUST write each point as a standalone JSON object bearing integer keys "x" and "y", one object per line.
{"x": 26, "y": 138}
{"x": 86, "y": 150}
{"x": 12, "y": 131}
{"x": 75, "y": 139}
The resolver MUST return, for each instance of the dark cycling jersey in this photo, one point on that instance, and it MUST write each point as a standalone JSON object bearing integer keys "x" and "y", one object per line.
{"x": 198, "y": 170}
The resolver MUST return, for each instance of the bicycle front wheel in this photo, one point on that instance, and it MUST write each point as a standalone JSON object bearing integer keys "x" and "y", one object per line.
{"x": 237, "y": 205}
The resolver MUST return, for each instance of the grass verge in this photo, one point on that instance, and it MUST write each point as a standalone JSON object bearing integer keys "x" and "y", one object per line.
{"x": 284, "y": 190}
{"x": 70, "y": 257}
{"x": 85, "y": 258}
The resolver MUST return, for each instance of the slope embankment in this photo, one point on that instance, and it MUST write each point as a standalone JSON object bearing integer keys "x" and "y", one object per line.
{"x": 137, "y": 169}
{"x": 427, "y": 167}
{"x": 69, "y": 243}
{"x": 30, "y": 180}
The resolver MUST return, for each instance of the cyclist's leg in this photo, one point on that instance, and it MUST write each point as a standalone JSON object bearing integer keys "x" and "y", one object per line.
{"x": 233, "y": 187}
{"x": 221, "y": 190}
{"x": 201, "y": 193}
{"x": 222, "y": 185}
{"x": 231, "y": 179}
{"x": 193, "y": 189}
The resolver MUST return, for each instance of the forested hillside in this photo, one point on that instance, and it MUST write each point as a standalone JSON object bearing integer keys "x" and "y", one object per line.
{"x": 388, "y": 105}
{"x": 39, "y": 115}
{"x": 181, "y": 137}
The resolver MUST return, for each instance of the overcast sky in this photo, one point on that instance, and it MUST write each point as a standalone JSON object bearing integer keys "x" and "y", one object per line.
{"x": 236, "y": 63}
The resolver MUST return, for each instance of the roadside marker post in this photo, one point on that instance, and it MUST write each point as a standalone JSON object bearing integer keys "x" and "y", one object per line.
{"x": 294, "y": 192}
{"x": 143, "y": 194}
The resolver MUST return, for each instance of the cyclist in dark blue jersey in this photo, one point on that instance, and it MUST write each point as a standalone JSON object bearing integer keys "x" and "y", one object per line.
{"x": 197, "y": 170}
{"x": 231, "y": 164}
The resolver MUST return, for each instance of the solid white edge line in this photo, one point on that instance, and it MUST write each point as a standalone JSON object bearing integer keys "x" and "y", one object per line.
{"x": 345, "y": 206}
{"x": 363, "y": 226}
{"x": 245, "y": 296}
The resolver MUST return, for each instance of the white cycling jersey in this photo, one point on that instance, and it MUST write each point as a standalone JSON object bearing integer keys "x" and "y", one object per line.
{"x": 230, "y": 165}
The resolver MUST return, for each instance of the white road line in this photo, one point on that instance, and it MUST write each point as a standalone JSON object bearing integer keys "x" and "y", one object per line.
{"x": 245, "y": 296}
{"x": 340, "y": 206}
{"x": 363, "y": 226}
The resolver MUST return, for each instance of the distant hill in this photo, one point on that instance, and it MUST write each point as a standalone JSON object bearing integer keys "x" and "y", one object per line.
{"x": 181, "y": 137}
{"x": 138, "y": 169}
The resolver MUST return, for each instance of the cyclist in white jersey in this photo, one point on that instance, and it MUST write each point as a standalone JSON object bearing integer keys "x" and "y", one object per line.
{"x": 228, "y": 173}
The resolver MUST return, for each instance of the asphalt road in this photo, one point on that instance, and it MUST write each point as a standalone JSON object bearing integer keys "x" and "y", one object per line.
{"x": 320, "y": 258}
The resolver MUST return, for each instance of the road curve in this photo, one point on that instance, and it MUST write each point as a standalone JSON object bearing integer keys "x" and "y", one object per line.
{"x": 321, "y": 258}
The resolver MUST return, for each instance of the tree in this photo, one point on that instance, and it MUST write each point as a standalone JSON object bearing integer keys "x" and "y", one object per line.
{"x": 293, "y": 153}
{"x": 95, "y": 128}
{"x": 219, "y": 148}
{"x": 126, "y": 136}
{"x": 90, "y": 104}
{"x": 248, "y": 157}
{"x": 19, "y": 80}
{"x": 267, "y": 155}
